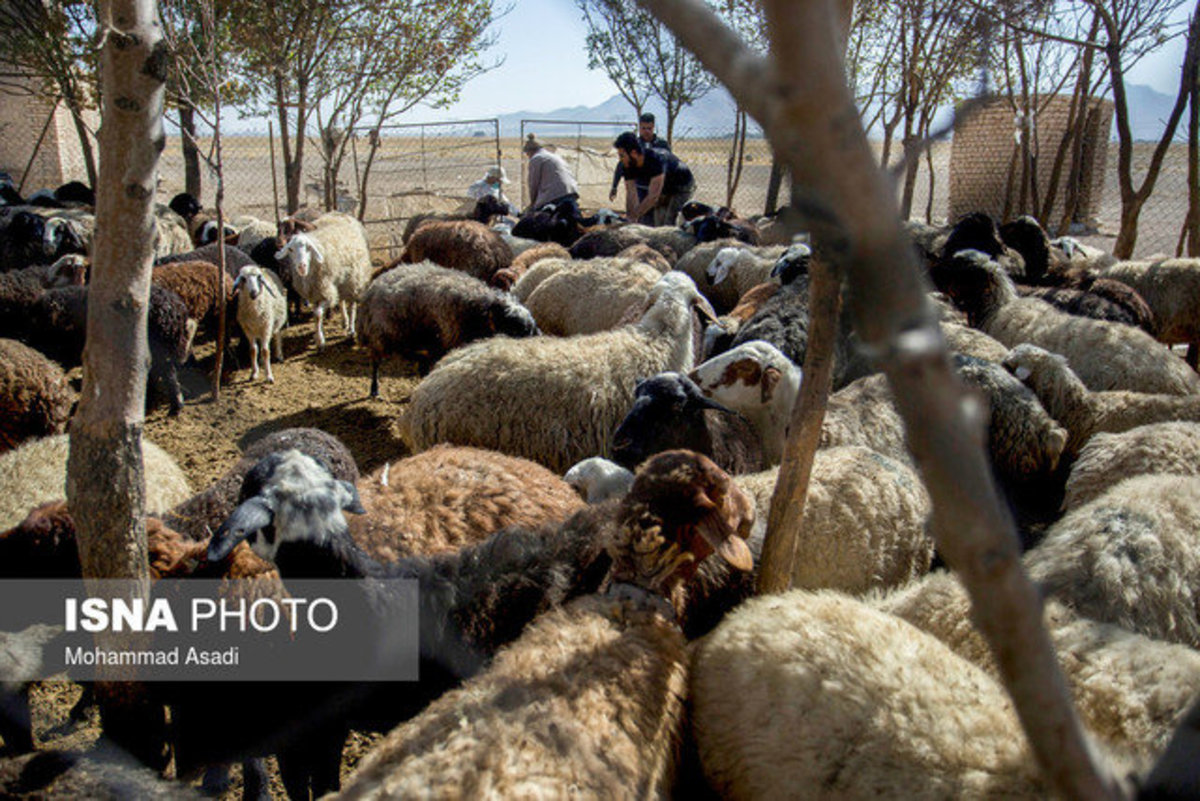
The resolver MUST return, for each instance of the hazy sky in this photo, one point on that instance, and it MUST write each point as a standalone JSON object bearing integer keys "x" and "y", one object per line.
{"x": 545, "y": 66}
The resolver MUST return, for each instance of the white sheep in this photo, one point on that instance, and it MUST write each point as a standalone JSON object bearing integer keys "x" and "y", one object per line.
{"x": 262, "y": 314}
{"x": 252, "y": 231}
{"x": 36, "y": 472}
{"x": 1130, "y": 691}
{"x": 1104, "y": 355}
{"x": 1109, "y": 459}
{"x": 972, "y": 342}
{"x": 597, "y": 479}
{"x": 331, "y": 265}
{"x": 755, "y": 269}
{"x": 758, "y": 381}
{"x": 550, "y": 399}
{"x": 1130, "y": 557}
{"x": 819, "y": 695}
{"x": 744, "y": 268}
{"x": 1171, "y": 288}
{"x": 590, "y": 296}
{"x": 1084, "y": 412}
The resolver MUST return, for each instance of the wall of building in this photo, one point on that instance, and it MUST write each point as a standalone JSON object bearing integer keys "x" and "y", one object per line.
{"x": 23, "y": 116}
{"x": 985, "y": 166}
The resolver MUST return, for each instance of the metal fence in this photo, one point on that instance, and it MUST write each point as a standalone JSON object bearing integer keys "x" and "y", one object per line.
{"x": 427, "y": 167}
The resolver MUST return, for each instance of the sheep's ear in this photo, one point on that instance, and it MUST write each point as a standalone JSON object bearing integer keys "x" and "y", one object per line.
{"x": 248, "y": 518}
{"x": 696, "y": 395}
{"x": 771, "y": 377}
{"x": 270, "y": 289}
{"x": 318, "y": 252}
{"x": 237, "y": 284}
{"x": 353, "y": 504}
{"x": 720, "y": 535}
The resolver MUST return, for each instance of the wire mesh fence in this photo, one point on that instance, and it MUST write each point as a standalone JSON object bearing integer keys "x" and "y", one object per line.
{"x": 427, "y": 167}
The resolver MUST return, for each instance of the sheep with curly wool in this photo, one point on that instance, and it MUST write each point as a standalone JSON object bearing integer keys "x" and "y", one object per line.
{"x": 422, "y": 311}
{"x": 1104, "y": 355}
{"x": 1130, "y": 557}
{"x": 1108, "y": 459}
{"x": 449, "y": 497}
{"x": 555, "y": 400}
{"x": 199, "y": 515}
{"x": 603, "y": 678}
{"x": 170, "y": 232}
{"x": 972, "y": 342}
{"x": 36, "y": 472}
{"x": 756, "y": 380}
{"x": 858, "y": 704}
{"x": 670, "y": 412}
{"x": 1092, "y": 304}
{"x": 597, "y": 479}
{"x": 506, "y": 278}
{"x": 195, "y": 282}
{"x": 463, "y": 245}
{"x": 262, "y": 314}
{"x": 35, "y": 398}
{"x": 591, "y": 296}
{"x": 1084, "y": 412}
{"x": 1171, "y": 287}
{"x": 1130, "y": 690}
{"x": 330, "y": 266}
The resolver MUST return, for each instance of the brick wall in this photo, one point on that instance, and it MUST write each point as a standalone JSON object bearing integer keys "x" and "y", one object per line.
{"x": 59, "y": 158}
{"x": 985, "y": 167}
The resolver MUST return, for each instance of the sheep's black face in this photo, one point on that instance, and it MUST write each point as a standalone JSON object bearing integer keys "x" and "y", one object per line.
{"x": 974, "y": 231}
{"x": 185, "y": 205}
{"x": 694, "y": 208}
{"x": 668, "y": 412}
{"x": 1025, "y": 236}
{"x": 76, "y": 192}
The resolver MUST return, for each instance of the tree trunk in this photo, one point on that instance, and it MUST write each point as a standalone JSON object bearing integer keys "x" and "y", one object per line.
{"x": 799, "y": 95}
{"x": 804, "y": 431}
{"x": 1192, "y": 224}
{"x": 191, "y": 153}
{"x": 105, "y": 477}
{"x": 291, "y": 187}
{"x": 774, "y": 181}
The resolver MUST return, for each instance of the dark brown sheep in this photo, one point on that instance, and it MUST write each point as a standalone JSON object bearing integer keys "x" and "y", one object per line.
{"x": 463, "y": 245}
{"x": 35, "y": 398}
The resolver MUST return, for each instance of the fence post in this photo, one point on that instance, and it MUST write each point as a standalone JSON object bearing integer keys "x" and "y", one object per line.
{"x": 274, "y": 179}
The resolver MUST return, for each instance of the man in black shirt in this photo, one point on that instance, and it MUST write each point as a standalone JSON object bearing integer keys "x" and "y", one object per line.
{"x": 649, "y": 137}
{"x": 668, "y": 180}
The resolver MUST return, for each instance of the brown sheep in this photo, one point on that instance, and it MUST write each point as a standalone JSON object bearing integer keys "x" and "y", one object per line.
{"x": 460, "y": 245}
{"x": 504, "y": 279}
{"x": 449, "y": 497}
{"x": 35, "y": 398}
{"x": 196, "y": 283}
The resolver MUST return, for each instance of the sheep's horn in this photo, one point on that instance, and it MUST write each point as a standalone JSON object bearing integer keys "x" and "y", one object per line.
{"x": 252, "y": 515}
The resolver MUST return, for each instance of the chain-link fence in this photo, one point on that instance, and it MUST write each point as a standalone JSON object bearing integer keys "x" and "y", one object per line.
{"x": 428, "y": 167}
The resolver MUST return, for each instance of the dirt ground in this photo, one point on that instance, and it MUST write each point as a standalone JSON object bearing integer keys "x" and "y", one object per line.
{"x": 327, "y": 390}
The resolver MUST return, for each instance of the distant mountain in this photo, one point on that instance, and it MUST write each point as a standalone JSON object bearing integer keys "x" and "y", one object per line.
{"x": 711, "y": 115}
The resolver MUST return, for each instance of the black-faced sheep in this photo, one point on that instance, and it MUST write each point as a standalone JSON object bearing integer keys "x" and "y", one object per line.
{"x": 1083, "y": 412}
{"x": 35, "y": 398}
{"x": 422, "y": 311}
{"x": 978, "y": 231}
{"x": 550, "y": 399}
{"x": 1104, "y": 355}
{"x": 449, "y": 497}
{"x": 670, "y": 412}
{"x": 604, "y": 677}
{"x": 463, "y": 245}
{"x": 1108, "y": 459}
{"x": 330, "y": 265}
{"x": 262, "y": 314}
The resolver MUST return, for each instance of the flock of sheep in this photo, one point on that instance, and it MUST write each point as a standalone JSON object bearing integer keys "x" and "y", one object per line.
{"x": 594, "y": 444}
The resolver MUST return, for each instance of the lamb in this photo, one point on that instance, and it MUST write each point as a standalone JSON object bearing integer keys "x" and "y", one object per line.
{"x": 856, "y": 702}
{"x": 1105, "y": 356}
{"x": 36, "y": 472}
{"x": 670, "y": 412}
{"x": 1084, "y": 413}
{"x": 591, "y": 296}
{"x": 1129, "y": 690}
{"x": 463, "y": 245}
{"x": 1129, "y": 557}
{"x": 448, "y": 497}
{"x": 423, "y": 311}
{"x": 330, "y": 265}
{"x": 262, "y": 314}
{"x": 507, "y": 277}
{"x": 604, "y": 676}
{"x": 1108, "y": 459}
{"x": 481, "y": 394}
{"x": 756, "y": 380}
{"x": 198, "y": 516}
{"x": 1171, "y": 287}
{"x": 35, "y": 398}
{"x": 598, "y": 479}
{"x": 550, "y": 224}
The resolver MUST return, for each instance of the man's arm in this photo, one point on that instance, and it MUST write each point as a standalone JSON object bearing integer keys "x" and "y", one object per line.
{"x": 652, "y": 195}
{"x": 535, "y": 178}
{"x": 631, "y": 198}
